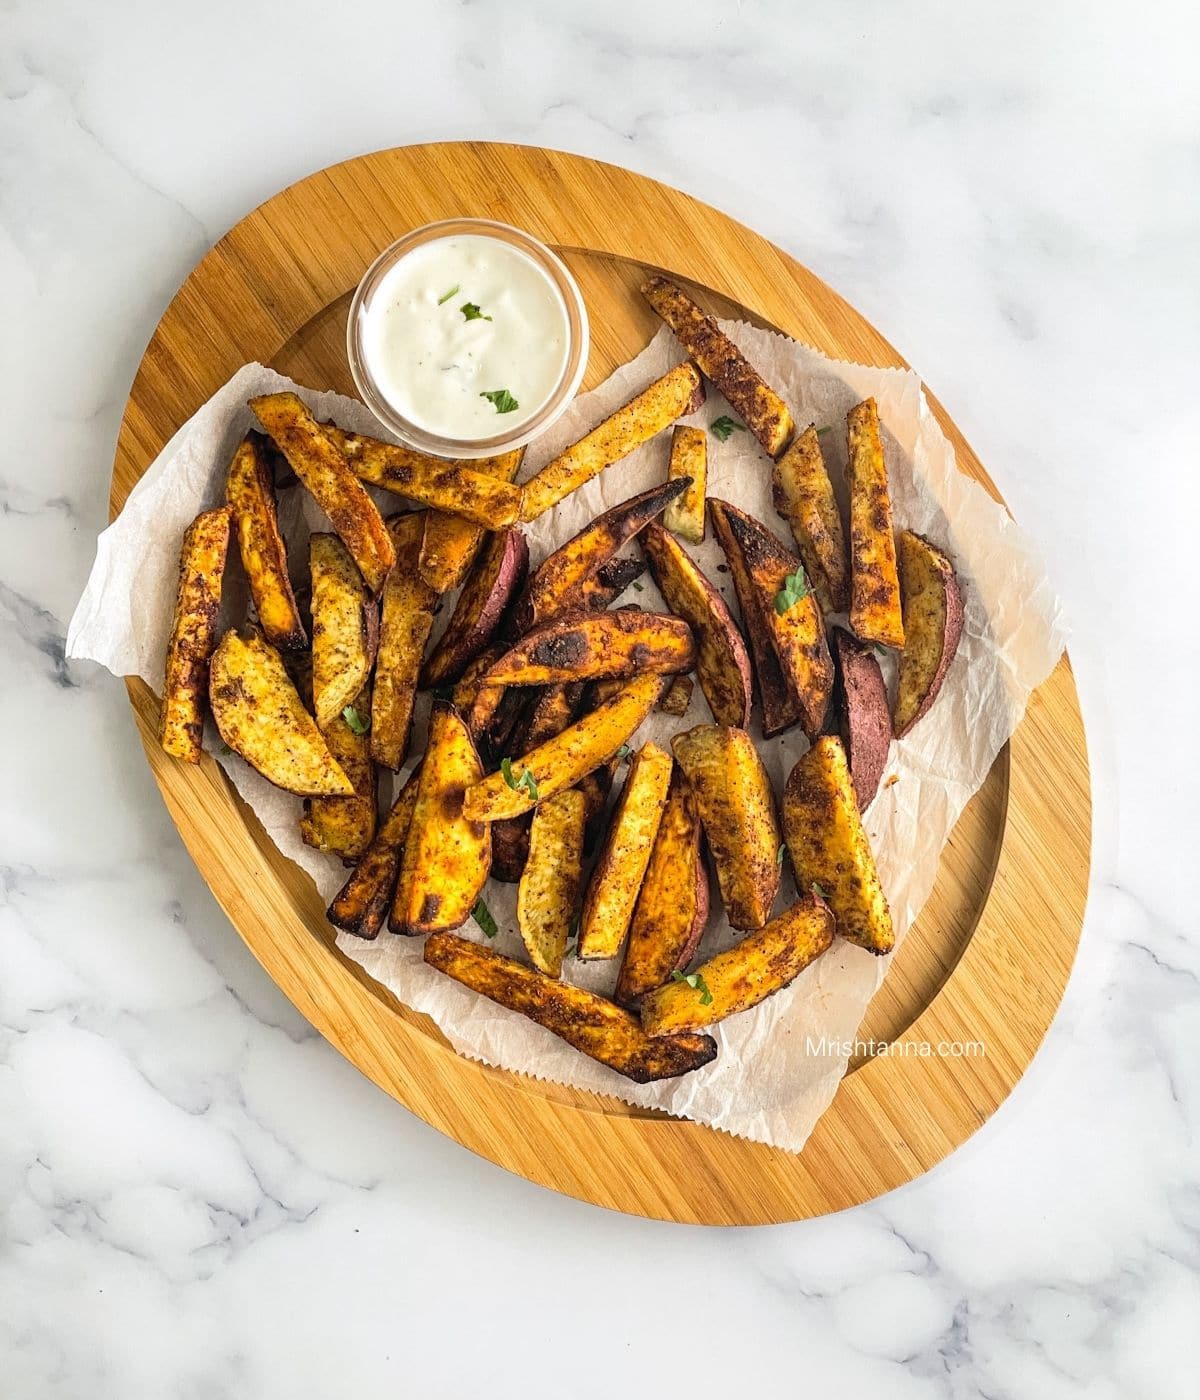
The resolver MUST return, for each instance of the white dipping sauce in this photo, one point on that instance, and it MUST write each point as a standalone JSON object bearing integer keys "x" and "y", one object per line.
{"x": 435, "y": 360}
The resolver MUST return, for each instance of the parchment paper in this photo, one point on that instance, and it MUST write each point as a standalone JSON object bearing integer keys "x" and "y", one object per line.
{"x": 779, "y": 1065}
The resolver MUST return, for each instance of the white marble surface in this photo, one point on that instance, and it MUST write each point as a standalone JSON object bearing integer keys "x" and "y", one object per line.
{"x": 198, "y": 1198}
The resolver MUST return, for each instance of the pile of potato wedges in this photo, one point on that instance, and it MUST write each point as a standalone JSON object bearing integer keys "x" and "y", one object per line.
{"x": 540, "y": 680}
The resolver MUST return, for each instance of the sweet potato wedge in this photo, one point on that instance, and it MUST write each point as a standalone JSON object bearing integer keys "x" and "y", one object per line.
{"x": 875, "y": 611}
{"x": 804, "y": 497}
{"x": 618, "y": 644}
{"x": 758, "y": 405}
{"x": 446, "y": 486}
{"x": 260, "y": 715}
{"x": 689, "y": 457}
{"x": 405, "y": 622}
{"x": 345, "y": 826}
{"x": 557, "y": 584}
{"x": 672, "y": 907}
{"x": 788, "y": 610}
{"x": 677, "y": 698}
{"x": 742, "y": 976}
{"x": 361, "y": 905}
{"x": 863, "y": 718}
{"x": 452, "y": 543}
{"x": 498, "y": 575}
{"x": 562, "y": 761}
{"x": 345, "y": 627}
{"x": 617, "y": 878}
{"x": 722, "y": 663}
{"x": 550, "y": 881}
{"x": 323, "y": 471}
{"x": 608, "y": 583}
{"x": 250, "y": 495}
{"x": 193, "y": 634}
{"x": 446, "y": 855}
{"x": 584, "y": 1020}
{"x": 679, "y": 392}
{"x": 829, "y": 847}
{"x": 596, "y": 787}
{"x": 733, "y": 794}
{"x": 933, "y": 625}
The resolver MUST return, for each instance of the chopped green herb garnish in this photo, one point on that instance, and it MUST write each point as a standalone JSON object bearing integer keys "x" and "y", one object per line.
{"x": 445, "y": 297}
{"x": 471, "y": 312}
{"x": 500, "y": 399}
{"x": 355, "y": 720}
{"x": 483, "y": 917}
{"x": 637, "y": 587}
{"x": 225, "y": 749}
{"x": 795, "y": 587}
{"x": 697, "y": 984}
{"x": 526, "y": 780}
{"x": 819, "y": 890}
{"x": 779, "y": 854}
{"x": 722, "y": 428}
{"x": 822, "y": 431}
{"x": 624, "y": 751}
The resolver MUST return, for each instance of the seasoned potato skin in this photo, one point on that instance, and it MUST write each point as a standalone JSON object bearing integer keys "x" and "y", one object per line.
{"x": 608, "y": 583}
{"x": 689, "y": 457}
{"x": 737, "y": 809}
{"x": 758, "y": 405}
{"x": 863, "y": 719}
{"x": 677, "y": 698}
{"x": 803, "y": 495}
{"x": 551, "y": 878}
{"x": 613, "y": 889}
{"x": 193, "y": 634}
{"x": 250, "y": 495}
{"x": 933, "y": 625}
{"x": 617, "y": 644}
{"x": 345, "y": 627}
{"x": 345, "y": 826}
{"x": 405, "y": 623}
{"x": 260, "y": 715}
{"x": 451, "y": 543}
{"x": 875, "y": 611}
{"x": 362, "y": 904}
{"x": 829, "y": 847}
{"x": 499, "y": 574}
{"x": 595, "y": 1027}
{"x": 678, "y": 393}
{"x": 744, "y": 975}
{"x": 323, "y": 471}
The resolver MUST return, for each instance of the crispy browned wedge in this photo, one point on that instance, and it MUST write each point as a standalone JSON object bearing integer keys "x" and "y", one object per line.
{"x": 933, "y": 625}
{"x": 561, "y": 762}
{"x": 875, "y": 611}
{"x": 446, "y": 856}
{"x": 608, "y": 583}
{"x": 558, "y": 583}
{"x": 361, "y": 905}
{"x": 672, "y": 908}
{"x": 469, "y": 689}
{"x": 761, "y": 964}
{"x": 446, "y": 486}
{"x": 618, "y": 644}
{"x": 260, "y": 715}
{"x": 550, "y": 881}
{"x": 250, "y": 494}
{"x": 689, "y": 457}
{"x": 758, "y": 405}
{"x": 677, "y": 698}
{"x": 345, "y": 826}
{"x": 733, "y": 793}
{"x": 193, "y": 634}
{"x": 323, "y": 471}
{"x": 804, "y": 497}
{"x": 345, "y": 627}
{"x": 617, "y": 878}
{"x": 451, "y": 543}
{"x": 499, "y": 574}
{"x": 829, "y": 847}
{"x": 405, "y": 622}
{"x": 785, "y": 607}
{"x": 584, "y": 1020}
{"x": 596, "y": 787}
{"x": 679, "y": 392}
{"x": 722, "y": 663}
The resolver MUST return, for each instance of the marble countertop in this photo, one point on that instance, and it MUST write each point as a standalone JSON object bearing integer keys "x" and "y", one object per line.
{"x": 198, "y": 1197}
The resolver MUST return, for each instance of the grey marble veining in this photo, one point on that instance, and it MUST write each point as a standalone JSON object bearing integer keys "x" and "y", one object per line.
{"x": 198, "y": 1198}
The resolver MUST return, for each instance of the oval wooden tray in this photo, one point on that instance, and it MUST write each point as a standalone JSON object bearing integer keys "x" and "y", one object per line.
{"x": 990, "y": 954}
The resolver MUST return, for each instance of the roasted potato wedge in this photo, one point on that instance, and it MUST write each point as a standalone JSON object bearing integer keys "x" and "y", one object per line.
{"x": 362, "y": 904}
{"x": 742, "y": 976}
{"x": 863, "y": 718}
{"x": 452, "y": 543}
{"x": 733, "y": 794}
{"x": 722, "y": 663}
{"x": 405, "y": 623}
{"x": 933, "y": 625}
{"x": 584, "y": 1020}
{"x": 829, "y": 847}
{"x": 345, "y": 627}
{"x": 689, "y": 457}
{"x": 672, "y": 908}
{"x": 345, "y": 826}
{"x": 498, "y": 575}
{"x": 804, "y": 497}
{"x": 323, "y": 471}
{"x": 260, "y": 715}
{"x": 446, "y": 855}
{"x": 250, "y": 495}
{"x": 875, "y": 611}
{"x": 469, "y": 687}
{"x": 193, "y": 634}
{"x": 677, "y": 698}
{"x": 617, "y": 878}
{"x": 758, "y": 405}
{"x": 617, "y": 644}
{"x": 608, "y": 583}
{"x": 550, "y": 881}
{"x": 596, "y": 787}
{"x": 679, "y": 392}
{"x": 562, "y": 761}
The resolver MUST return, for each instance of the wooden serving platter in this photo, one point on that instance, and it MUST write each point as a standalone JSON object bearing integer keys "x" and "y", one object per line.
{"x": 990, "y": 954}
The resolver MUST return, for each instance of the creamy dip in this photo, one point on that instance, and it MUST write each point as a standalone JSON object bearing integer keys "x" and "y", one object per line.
{"x": 466, "y": 337}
